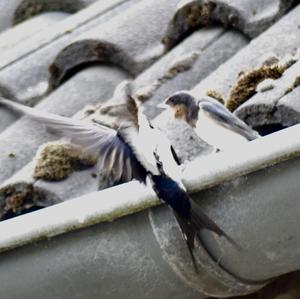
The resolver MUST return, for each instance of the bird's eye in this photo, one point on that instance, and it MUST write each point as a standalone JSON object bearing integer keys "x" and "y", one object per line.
{"x": 172, "y": 100}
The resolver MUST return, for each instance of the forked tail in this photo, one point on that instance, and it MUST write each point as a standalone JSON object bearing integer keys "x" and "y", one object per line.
{"x": 189, "y": 215}
{"x": 199, "y": 221}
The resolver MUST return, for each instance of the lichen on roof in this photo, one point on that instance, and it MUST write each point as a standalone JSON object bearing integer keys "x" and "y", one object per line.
{"x": 57, "y": 160}
{"x": 15, "y": 198}
{"x": 245, "y": 87}
{"x": 250, "y": 82}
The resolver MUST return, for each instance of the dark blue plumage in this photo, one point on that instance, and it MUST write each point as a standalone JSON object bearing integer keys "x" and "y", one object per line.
{"x": 188, "y": 214}
{"x": 169, "y": 191}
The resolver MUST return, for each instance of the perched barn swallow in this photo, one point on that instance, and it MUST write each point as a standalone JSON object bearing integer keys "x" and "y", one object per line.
{"x": 136, "y": 150}
{"x": 211, "y": 121}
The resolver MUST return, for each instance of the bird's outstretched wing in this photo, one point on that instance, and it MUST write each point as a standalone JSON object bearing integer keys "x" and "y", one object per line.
{"x": 115, "y": 156}
{"x": 226, "y": 119}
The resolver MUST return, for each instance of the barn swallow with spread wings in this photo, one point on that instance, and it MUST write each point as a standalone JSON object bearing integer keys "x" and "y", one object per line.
{"x": 136, "y": 150}
{"x": 211, "y": 121}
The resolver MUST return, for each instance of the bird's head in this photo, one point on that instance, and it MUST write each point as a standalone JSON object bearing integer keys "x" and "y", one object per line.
{"x": 183, "y": 106}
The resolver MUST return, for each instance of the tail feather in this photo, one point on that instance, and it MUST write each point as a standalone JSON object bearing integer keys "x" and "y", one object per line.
{"x": 190, "y": 230}
{"x": 187, "y": 232}
{"x": 189, "y": 236}
{"x": 189, "y": 215}
{"x": 198, "y": 221}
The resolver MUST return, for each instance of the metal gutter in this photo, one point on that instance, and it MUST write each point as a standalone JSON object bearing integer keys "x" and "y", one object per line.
{"x": 125, "y": 199}
{"x": 252, "y": 186}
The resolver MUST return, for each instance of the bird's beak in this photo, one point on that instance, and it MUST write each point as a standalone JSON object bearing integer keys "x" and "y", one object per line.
{"x": 164, "y": 104}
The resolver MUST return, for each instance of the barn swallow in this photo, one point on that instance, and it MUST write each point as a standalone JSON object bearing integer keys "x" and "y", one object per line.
{"x": 211, "y": 121}
{"x": 136, "y": 150}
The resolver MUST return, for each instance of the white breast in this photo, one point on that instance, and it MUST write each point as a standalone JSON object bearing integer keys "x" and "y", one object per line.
{"x": 216, "y": 135}
{"x": 152, "y": 143}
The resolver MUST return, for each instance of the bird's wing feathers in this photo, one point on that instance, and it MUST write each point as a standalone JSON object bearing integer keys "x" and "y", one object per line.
{"x": 118, "y": 161}
{"x": 223, "y": 117}
{"x": 115, "y": 156}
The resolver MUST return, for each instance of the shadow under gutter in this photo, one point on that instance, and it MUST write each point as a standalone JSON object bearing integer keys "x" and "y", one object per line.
{"x": 252, "y": 192}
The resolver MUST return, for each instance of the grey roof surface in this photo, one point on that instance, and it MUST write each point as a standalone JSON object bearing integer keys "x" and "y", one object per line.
{"x": 82, "y": 58}
{"x": 75, "y": 53}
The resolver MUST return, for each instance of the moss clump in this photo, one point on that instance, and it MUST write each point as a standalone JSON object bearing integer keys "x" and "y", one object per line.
{"x": 215, "y": 95}
{"x": 247, "y": 82}
{"x": 22, "y": 198}
{"x": 56, "y": 160}
{"x": 18, "y": 199}
{"x": 15, "y": 200}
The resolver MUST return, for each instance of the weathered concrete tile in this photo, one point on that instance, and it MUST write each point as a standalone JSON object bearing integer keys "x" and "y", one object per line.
{"x": 78, "y": 183}
{"x": 261, "y": 109}
{"x": 24, "y": 69}
{"x": 131, "y": 39}
{"x": 73, "y": 25}
{"x": 23, "y": 175}
{"x": 115, "y": 35}
{"x": 250, "y": 17}
{"x": 281, "y": 39}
